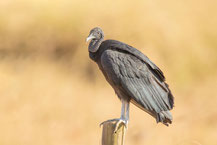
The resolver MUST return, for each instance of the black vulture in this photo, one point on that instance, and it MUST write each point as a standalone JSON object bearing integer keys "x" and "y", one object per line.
{"x": 133, "y": 76}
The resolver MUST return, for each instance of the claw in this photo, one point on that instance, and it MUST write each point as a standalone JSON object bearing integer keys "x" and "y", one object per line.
{"x": 120, "y": 121}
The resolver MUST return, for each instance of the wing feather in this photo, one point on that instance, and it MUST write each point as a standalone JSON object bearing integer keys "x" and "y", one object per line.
{"x": 135, "y": 78}
{"x": 113, "y": 44}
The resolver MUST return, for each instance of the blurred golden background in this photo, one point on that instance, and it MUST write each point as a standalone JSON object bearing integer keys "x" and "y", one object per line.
{"x": 51, "y": 93}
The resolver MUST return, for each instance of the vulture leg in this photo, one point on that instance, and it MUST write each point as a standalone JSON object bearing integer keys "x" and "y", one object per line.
{"x": 127, "y": 111}
{"x": 124, "y": 116}
{"x": 123, "y": 109}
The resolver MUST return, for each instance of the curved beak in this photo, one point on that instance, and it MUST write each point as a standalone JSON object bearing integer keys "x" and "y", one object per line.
{"x": 90, "y": 37}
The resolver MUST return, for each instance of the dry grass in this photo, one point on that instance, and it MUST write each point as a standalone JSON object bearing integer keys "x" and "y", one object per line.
{"x": 52, "y": 94}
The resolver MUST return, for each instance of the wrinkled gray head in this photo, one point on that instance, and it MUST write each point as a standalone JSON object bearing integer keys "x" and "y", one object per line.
{"x": 96, "y": 36}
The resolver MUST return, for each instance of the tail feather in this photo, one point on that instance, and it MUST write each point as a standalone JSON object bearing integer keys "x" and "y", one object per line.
{"x": 165, "y": 117}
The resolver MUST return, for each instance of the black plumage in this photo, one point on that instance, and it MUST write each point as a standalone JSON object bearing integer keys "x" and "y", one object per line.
{"x": 133, "y": 76}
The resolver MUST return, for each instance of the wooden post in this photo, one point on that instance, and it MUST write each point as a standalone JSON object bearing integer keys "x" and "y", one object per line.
{"x": 112, "y": 137}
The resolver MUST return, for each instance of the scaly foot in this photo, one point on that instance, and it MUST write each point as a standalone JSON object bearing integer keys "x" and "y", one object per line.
{"x": 120, "y": 121}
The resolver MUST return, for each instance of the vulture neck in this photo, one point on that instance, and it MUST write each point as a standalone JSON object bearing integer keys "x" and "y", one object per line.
{"x": 94, "y": 45}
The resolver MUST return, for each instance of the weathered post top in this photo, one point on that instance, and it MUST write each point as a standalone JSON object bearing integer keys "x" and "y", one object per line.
{"x": 113, "y": 134}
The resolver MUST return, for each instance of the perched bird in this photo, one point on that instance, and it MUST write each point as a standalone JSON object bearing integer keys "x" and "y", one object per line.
{"x": 133, "y": 76}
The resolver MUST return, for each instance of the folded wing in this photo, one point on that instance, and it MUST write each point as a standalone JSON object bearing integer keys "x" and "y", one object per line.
{"x": 134, "y": 77}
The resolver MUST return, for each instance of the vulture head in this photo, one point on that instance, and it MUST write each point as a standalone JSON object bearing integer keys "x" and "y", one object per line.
{"x": 95, "y": 37}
